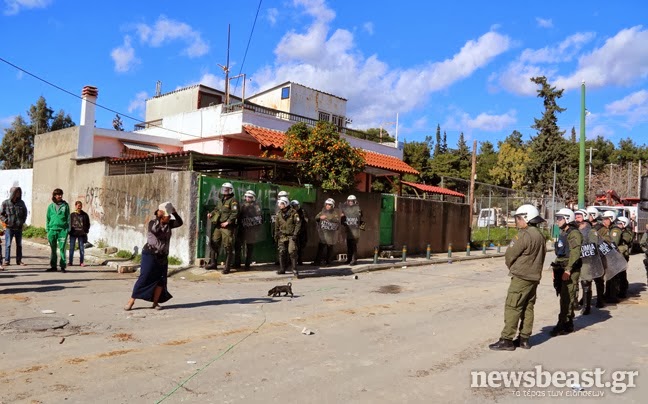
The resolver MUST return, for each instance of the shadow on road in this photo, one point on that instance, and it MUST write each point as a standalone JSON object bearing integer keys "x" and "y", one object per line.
{"x": 252, "y": 300}
{"x": 37, "y": 289}
{"x": 56, "y": 281}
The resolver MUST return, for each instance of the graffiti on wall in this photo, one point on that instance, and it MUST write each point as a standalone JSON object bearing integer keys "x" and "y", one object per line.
{"x": 99, "y": 202}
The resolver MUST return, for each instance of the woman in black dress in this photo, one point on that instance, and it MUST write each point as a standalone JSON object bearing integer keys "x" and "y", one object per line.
{"x": 152, "y": 282}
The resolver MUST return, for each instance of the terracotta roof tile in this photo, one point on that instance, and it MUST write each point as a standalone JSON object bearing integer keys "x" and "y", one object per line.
{"x": 274, "y": 138}
{"x": 390, "y": 163}
{"x": 434, "y": 190}
{"x": 266, "y": 137}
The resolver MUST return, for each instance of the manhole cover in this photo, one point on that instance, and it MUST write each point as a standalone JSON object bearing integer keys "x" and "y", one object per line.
{"x": 389, "y": 289}
{"x": 37, "y": 324}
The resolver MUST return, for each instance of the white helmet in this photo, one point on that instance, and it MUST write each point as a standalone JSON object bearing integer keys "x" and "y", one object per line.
{"x": 283, "y": 201}
{"x": 592, "y": 211}
{"x": 624, "y": 220}
{"x": 251, "y": 194}
{"x": 528, "y": 212}
{"x": 330, "y": 201}
{"x": 294, "y": 203}
{"x": 581, "y": 212}
{"x": 610, "y": 214}
{"x": 283, "y": 193}
{"x": 352, "y": 198}
{"x": 568, "y": 214}
{"x": 227, "y": 188}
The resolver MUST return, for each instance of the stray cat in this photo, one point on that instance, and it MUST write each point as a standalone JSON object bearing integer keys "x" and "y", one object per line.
{"x": 278, "y": 290}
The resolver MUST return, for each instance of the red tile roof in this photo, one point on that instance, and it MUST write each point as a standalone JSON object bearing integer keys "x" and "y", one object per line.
{"x": 274, "y": 138}
{"x": 266, "y": 137}
{"x": 434, "y": 190}
{"x": 390, "y": 163}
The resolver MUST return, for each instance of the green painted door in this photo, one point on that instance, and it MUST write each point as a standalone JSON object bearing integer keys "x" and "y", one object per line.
{"x": 387, "y": 219}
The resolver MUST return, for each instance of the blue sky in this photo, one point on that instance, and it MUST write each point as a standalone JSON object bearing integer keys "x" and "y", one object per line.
{"x": 463, "y": 65}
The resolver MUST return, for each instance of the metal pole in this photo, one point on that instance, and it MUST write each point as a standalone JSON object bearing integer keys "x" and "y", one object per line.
{"x": 553, "y": 201}
{"x": 639, "y": 181}
{"x": 589, "y": 182}
{"x": 581, "y": 166}
{"x": 473, "y": 173}
{"x": 490, "y": 194}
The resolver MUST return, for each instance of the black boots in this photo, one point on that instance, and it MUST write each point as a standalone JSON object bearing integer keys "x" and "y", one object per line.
{"x": 600, "y": 292}
{"x": 587, "y": 297}
{"x": 562, "y": 328}
{"x": 521, "y": 342}
{"x": 503, "y": 345}
{"x": 282, "y": 265}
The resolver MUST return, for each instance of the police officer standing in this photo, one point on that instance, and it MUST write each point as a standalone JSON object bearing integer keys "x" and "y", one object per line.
{"x": 592, "y": 266}
{"x": 249, "y": 229}
{"x": 566, "y": 269}
{"x": 224, "y": 217}
{"x": 644, "y": 246}
{"x": 352, "y": 220}
{"x": 287, "y": 228}
{"x": 594, "y": 219}
{"x": 328, "y": 225}
{"x": 302, "y": 237}
{"x": 524, "y": 258}
{"x": 622, "y": 236}
{"x": 612, "y": 285}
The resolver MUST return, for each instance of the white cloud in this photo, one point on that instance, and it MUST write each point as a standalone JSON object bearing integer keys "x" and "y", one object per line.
{"x": 539, "y": 62}
{"x": 138, "y": 104}
{"x": 599, "y": 130}
{"x": 622, "y": 60}
{"x": 124, "y": 56}
{"x": 633, "y": 107}
{"x": 544, "y": 23}
{"x": 166, "y": 30}
{"x": 368, "y": 27}
{"x": 6, "y": 122}
{"x": 13, "y": 7}
{"x": 20, "y": 75}
{"x": 332, "y": 63}
{"x": 272, "y": 15}
{"x": 484, "y": 122}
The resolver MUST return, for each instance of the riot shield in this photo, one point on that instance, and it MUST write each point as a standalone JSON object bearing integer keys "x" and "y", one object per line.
{"x": 329, "y": 227}
{"x": 592, "y": 264}
{"x": 613, "y": 259}
{"x": 252, "y": 221}
{"x": 353, "y": 216}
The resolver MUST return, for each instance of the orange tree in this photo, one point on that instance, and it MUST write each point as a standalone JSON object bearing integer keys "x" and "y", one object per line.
{"x": 331, "y": 163}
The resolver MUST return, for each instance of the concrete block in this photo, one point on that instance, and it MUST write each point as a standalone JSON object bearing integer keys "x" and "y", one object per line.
{"x": 199, "y": 262}
{"x": 127, "y": 269}
{"x": 110, "y": 250}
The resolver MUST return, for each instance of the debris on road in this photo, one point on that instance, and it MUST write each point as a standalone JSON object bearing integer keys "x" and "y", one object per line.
{"x": 48, "y": 311}
{"x": 306, "y": 331}
{"x": 62, "y": 340}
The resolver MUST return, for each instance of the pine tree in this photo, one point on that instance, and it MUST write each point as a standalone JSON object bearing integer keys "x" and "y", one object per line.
{"x": 573, "y": 135}
{"x": 437, "y": 144}
{"x": 117, "y": 123}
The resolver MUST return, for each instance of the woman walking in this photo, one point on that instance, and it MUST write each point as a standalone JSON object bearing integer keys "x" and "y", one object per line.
{"x": 152, "y": 282}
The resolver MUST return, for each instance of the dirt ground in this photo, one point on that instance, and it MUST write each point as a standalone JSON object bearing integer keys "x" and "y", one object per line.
{"x": 402, "y": 335}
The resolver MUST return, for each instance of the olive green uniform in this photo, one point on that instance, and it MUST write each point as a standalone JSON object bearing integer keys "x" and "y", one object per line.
{"x": 623, "y": 240}
{"x": 644, "y": 246}
{"x": 568, "y": 252}
{"x": 226, "y": 210}
{"x": 287, "y": 227}
{"x": 524, "y": 257}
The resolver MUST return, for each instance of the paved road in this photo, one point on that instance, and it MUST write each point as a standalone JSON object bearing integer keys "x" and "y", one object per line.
{"x": 403, "y": 335}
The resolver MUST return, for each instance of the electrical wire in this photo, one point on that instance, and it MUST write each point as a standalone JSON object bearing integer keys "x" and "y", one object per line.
{"x": 169, "y": 394}
{"x": 248, "y": 43}
{"x": 81, "y": 98}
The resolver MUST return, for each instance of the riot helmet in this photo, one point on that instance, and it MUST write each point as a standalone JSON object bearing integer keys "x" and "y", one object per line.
{"x": 330, "y": 201}
{"x": 227, "y": 188}
{"x": 529, "y": 214}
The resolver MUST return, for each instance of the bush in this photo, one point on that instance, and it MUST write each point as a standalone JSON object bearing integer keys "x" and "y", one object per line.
{"x": 137, "y": 259}
{"x": 101, "y": 243}
{"x": 173, "y": 260}
{"x": 34, "y": 232}
{"x": 497, "y": 235}
{"x": 123, "y": 254}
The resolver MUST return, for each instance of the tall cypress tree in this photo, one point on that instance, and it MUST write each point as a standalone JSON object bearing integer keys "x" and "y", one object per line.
{"x": 437, "y": 144}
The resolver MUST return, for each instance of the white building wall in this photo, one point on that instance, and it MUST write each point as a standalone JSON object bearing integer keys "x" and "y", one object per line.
{"x": 172, "y": 104}
{"x": 373, "y": 146}
{"x": 18, "y": 178}
{"x": 308, "y": 102}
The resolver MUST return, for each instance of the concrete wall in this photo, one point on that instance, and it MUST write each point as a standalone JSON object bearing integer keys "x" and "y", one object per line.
{"x": 172, "y": 103}
{"x": 373, "y": 146}
{"x": 18, "y": 178}
{"x": 308, "y": 102}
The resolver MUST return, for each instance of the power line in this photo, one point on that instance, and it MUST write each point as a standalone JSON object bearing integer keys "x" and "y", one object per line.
{"x": 81, "y": 98}
{"x": 249, "y": 40}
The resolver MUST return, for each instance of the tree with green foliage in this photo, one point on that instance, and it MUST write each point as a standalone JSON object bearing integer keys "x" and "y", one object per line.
{"x": 330, "y": 161}
{"x": 117, "y": 123}
{"x": 573, "y": 135}
{"x": 17, "y": 147}
{"x": 437, "y": 144}
{"x": 486, "y": 161}
{"x": 378, "y": 135}
{"x": 511, "y": 168}
{"x": 464, "y": 158}
{"x": 549, "y": 145}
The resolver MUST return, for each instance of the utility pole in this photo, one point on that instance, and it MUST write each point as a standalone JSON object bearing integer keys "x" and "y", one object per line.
{"x": 611, "y": 164}
{"x": 553, "y": 202}
{"x": 581, "y": 166}
{"x": 473, "y": 173}
{"x": 226, "y": 67}
{"x": 589, "y": 182}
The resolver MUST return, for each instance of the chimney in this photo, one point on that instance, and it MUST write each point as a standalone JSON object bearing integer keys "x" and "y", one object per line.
{"x": 87, "y": 124}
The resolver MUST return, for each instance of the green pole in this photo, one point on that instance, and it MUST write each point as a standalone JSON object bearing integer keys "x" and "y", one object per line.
{"x": 581, "y": 166}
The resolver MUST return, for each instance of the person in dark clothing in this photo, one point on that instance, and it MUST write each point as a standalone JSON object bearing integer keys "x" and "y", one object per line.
{"x": 302, "y": 237}
{"x": 79, "y": 228}
{"x": 13, "y": 214}
{"x": 152, "y": 282}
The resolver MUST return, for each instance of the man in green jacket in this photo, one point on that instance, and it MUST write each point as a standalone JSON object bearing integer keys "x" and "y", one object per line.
{"x": 567, "y": 268}
{"x": 57, "y": 224}
{"x": 524, "y": 258}
{"x": 224, "y": 217}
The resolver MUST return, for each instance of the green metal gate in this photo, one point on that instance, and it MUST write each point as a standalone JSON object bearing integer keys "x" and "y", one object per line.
{"x": 387, "y": 219}
{"x": 209, "y": 190}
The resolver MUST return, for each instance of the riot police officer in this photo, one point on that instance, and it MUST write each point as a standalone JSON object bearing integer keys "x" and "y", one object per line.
{"x": 644, "y": 246}
{"x": 302, "y": 237}
{"x": 287, "y": 228}
{"x": 352, "y": 221}
{"x": 594, "y": 218}
{"x": 224, "y": 217}
{"x": 566, "y": 269}
{"x": 623, "y": 239}
{"x": 328, "y": 224}
{"x": 608, "y": 232}
{"x": 249, "y": 230}
{"x": 592, "y": 266}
